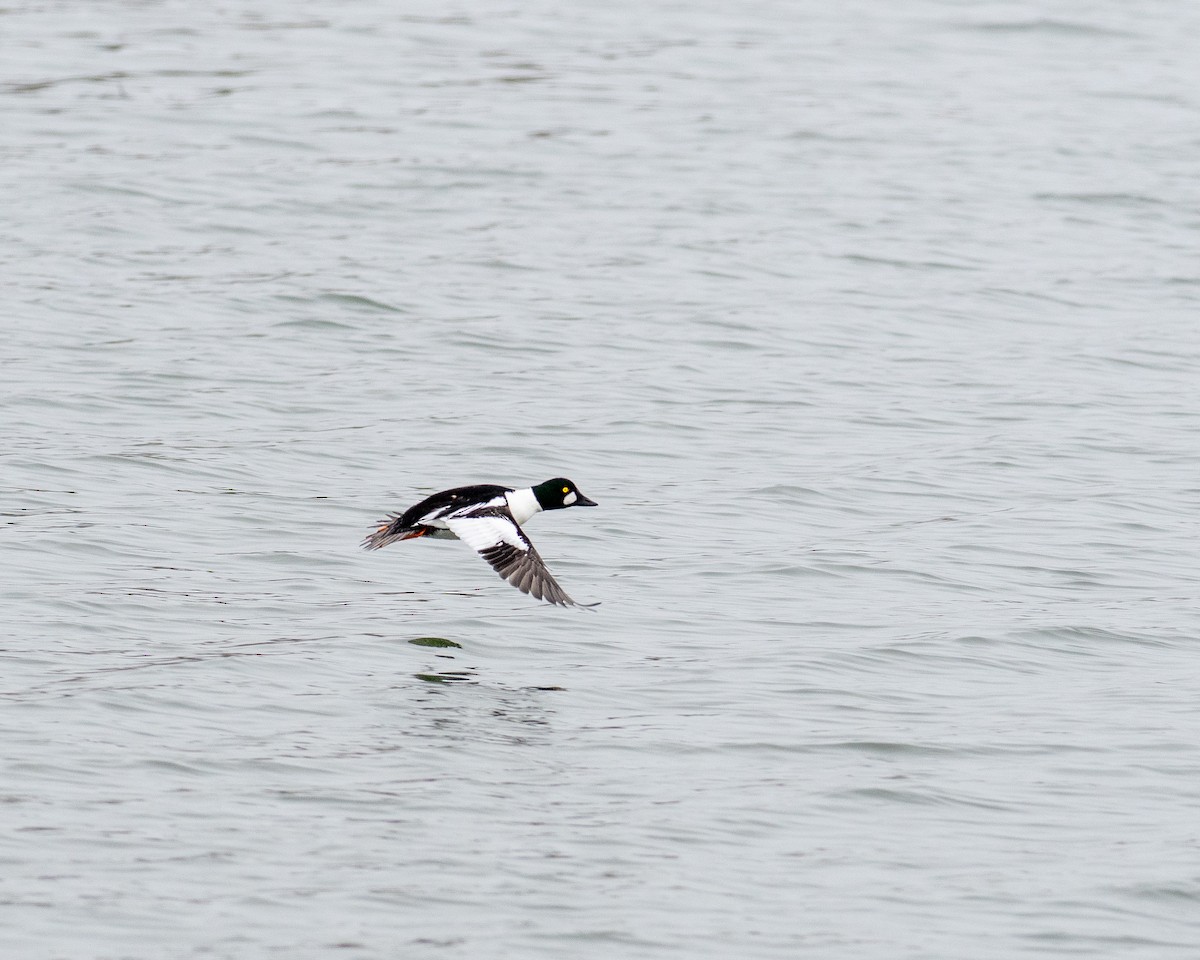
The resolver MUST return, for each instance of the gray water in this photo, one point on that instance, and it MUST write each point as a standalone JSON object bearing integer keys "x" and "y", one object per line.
{"x": 873, "y": 330}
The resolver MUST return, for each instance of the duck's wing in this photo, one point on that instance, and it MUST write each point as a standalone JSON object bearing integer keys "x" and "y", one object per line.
{"x": 498, "y": 538}
{"x": 418, "y": 520}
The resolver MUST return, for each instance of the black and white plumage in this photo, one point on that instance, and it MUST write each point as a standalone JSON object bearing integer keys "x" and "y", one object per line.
{"x": 488, "y": 518}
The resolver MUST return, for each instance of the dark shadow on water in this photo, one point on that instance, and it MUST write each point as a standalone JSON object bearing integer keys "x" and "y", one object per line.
{"x": 454, "y": 697}
{"x": 443, "y": 676}
{"x": 448, "y": 676}
{"x": 468, "y": 675}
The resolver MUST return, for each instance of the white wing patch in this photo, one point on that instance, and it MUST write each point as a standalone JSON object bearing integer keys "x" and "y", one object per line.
{"x": 479, "y": 533}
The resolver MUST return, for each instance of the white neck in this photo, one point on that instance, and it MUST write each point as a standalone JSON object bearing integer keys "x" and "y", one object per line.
{"x": 523, "y": 504}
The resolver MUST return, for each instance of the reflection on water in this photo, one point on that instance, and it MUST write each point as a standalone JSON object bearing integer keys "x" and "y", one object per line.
{"x": 437, "y": 642}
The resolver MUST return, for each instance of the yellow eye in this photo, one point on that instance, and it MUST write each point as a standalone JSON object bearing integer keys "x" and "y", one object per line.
{"x": 566, "y": 489}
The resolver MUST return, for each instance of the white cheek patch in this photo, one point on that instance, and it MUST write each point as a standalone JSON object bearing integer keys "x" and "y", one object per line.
{"x": 570, "y": 498}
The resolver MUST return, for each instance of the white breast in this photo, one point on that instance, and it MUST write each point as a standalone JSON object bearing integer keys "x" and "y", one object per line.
{"x": 523, "y": 504}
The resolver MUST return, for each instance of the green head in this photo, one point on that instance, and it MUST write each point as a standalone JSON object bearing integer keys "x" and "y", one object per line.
{"x": 559, "y": 493}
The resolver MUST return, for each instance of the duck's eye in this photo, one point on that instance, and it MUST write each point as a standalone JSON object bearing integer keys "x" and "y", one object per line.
{"x": 566, "y": 489}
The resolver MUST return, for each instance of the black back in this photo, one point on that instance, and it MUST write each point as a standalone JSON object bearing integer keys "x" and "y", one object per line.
{"x": 455, "y": 497}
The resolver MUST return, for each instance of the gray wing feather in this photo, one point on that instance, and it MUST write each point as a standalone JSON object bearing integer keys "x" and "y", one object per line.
{"x": 526, "y": 571}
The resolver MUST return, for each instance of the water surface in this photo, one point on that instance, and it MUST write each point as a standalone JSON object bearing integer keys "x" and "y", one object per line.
{"x": 873, "y": 333}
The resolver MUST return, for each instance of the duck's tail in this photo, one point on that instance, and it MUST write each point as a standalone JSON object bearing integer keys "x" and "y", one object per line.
{"x": 389, "y": 531}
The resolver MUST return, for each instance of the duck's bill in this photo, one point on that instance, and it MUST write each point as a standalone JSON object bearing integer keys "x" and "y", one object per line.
{"x": 584, "y": 502}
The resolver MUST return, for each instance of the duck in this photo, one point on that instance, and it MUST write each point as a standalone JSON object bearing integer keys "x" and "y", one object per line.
{"x": 488, "y": 517}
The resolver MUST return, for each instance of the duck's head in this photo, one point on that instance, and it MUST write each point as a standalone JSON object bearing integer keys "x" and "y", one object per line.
{"x": 559, "y": 493}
